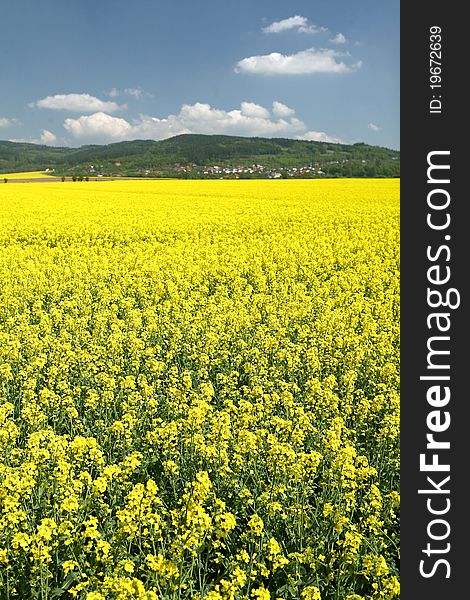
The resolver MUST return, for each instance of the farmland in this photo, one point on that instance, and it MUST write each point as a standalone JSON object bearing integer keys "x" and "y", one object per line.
{"x": 26, "y": 175}
{"x": 199, "y": 390}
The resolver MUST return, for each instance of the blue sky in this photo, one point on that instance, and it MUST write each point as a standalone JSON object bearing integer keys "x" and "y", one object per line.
{"x": 75, "y": 72}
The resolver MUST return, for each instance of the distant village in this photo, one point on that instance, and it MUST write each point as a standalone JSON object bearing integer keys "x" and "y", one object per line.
{"x": 212, "y": 171}
{"x": 237, "y": 171}
{"x": 224, "y": 170}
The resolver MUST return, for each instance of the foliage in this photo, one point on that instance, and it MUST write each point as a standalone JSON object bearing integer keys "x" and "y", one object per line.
{"x": 338, "y": 160}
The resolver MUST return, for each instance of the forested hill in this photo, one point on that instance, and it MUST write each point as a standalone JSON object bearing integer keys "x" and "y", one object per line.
{"x": 193, "y": 155}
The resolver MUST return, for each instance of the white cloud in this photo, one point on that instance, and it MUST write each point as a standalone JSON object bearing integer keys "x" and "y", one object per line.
{"x": 319, "y": 136}
{"x": 47, "y": 137}
{"x": 307, "y": 61}
{"x": 136, "y": 93}
{"x": 99, "y": 124}
{"x": 202, "y": 118}
{"x": 281, "y": 110}
{"x": 250, "y": 109}
{"x": 374, "y": 127}
{"x": 339, "y": 39}
{"x": 297, "y": 22}
{"x": 6, "y": 122}
{"x": 102, "y": 127}
{"x": 77, "y": 103}
{"x": 250, "y": 119}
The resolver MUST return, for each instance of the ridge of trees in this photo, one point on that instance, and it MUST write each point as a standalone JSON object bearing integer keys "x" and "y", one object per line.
{"x": 165, "y": 156}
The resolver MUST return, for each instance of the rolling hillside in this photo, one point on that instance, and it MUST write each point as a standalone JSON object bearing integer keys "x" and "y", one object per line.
{"x": 191, "y": 155}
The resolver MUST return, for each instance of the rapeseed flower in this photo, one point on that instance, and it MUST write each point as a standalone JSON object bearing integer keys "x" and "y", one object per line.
{"x": 199, "y": 389}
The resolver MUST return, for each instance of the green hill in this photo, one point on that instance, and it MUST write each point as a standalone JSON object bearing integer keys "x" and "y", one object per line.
{"x": 193, "y": 155}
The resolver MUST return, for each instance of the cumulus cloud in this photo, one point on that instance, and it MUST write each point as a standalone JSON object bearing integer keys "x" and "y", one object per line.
{"x": 308, "y": 61}
{"x": 6, "y": 122}
{"x": 297, "y": 22}
{"x": 77, "y": 103}
{"x": 202, "y": 118}
{"x": 47, "y": 138}
{"x": 100, "y": 124}
{"x": 250, "y": 109}
{"x": 281, "y": 110}
{"x": 339, "y": 39}
{"x": 319, "y": 136}
{"x": 374, "y": 127}
{"x": 250, "y": 119}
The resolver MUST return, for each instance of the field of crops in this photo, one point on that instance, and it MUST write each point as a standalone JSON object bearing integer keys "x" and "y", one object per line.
{"x": 199, "y": 390}
{"x": 26, "y": 175}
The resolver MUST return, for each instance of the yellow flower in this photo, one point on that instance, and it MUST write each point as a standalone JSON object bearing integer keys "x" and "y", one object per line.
{"x": 260, "y": 593}
{"x": 311, "y": 592}
{"x": 226, "y": 522}
{"x": 213, "y": 595}
{"x": 128, "y": 566}
{"x": 69, "y": 565}
{"x": 375, "y": 566}
{"x": 255, "y": 525}
{"x": 193, "y": 375}
{"x": 165, "y": 568}
{"x": 274, "y": 554}
{"x": 21, "y": 540}
{"x": 391, "y": 587}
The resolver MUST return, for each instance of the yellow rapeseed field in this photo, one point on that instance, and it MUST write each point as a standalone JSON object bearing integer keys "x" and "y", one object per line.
{"x": 199, "y": 390}
{"x": 26, "y": 175}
